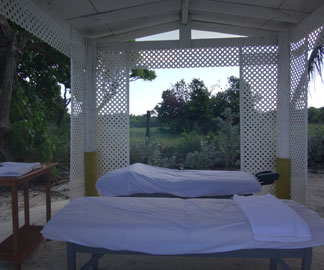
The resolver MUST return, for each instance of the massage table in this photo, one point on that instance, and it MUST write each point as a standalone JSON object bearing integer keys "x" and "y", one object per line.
{"x": 191, "y": 227}
{"x": 141, "y": 180}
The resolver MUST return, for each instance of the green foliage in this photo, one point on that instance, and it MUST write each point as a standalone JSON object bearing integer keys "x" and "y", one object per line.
{"x": 228, "y": 99}
{"x": 187, "y": 151}
{"x": 38, "y": 114}
{"x": 188, "y": 107}
{"x": 151, "y": 154}
{"x": 59, "y": 135}
{"x": 29, "y": 138}
{"x": 316, "y": 147}
{"x": 144, "y": 74}
{"x": 204, "y": 158}
{"x": 316, "y": 115}
{"x": 229, "y": 141}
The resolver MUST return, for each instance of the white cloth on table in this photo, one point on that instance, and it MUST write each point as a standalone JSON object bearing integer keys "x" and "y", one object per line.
{"x": 273, "y": 220}
{"x": 167, "y": 226}
{"x": 142, "y": 178}
{"x": 16, "y": 169}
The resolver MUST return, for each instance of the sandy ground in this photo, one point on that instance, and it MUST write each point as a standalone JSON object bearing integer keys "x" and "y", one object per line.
{"x": 51, "y": 254}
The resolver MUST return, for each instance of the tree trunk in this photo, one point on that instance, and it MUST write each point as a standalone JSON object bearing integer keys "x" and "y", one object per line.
{"x": 8, "y": 65}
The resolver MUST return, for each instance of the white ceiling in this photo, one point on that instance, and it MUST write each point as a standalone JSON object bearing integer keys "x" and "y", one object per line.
{"x": 113, "y": 20}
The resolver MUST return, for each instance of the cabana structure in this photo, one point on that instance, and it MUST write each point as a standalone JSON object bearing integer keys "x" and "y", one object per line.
{"x": 272, "y": 60}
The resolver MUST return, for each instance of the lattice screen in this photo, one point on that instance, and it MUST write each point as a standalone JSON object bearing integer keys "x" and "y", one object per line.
{"x": 112, "y": 108}
{"x": 77, "y": 129}
{"x": 259, "y": 72}
{"x": 259, "y": 84}
{"x": 298, "y": 121}
{"x": 305, "y": 38}
{"x": 186, "y": 58}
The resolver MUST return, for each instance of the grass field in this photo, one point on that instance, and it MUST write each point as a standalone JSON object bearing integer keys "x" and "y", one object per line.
{"x": 137, "y": 136}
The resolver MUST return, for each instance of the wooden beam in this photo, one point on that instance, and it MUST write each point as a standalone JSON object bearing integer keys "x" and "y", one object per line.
{"x": 242, "y": 21}
{"x": 184, "y": 11}
{"x": 249, "y": 11}
{"x": 46, "y": 8}
{"x": 131, "y": 27}
{"x": 138, "y": 12}
{"x": 157, "y": 29}
{"x": 197, "y": 43}
{"x": 230, "y": 29}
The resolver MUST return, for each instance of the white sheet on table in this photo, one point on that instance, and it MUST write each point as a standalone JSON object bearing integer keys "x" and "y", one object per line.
{"x": 278, "y": 223}
{"x": 141, "y": 178}
{"x": 166, "y": 226}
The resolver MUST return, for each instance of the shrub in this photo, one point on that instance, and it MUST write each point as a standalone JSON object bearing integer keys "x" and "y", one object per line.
{"x": 316, "y": 149}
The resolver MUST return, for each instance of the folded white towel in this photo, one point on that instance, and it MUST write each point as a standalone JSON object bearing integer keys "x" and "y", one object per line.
{"x": 273, "y": 220}
{"x": 34, "y": 165}
{"x": 16, "y": 169}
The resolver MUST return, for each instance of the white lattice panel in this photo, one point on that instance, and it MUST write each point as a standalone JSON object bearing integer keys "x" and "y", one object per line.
{"x": 258, "y": 90}
{"x": 77, "y": 129}
{"x": 30, "y": 17}
{"x": 112, "y": 107}
{"x": 316, "y": 38}
{"x": 298, "y": 121}
{"x": 186, "y": 58}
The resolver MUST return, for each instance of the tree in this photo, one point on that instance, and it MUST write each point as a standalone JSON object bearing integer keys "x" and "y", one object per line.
{"x": 172, "y": 110}
{"x": 31, "y": 76}
{"x": 229, "y": 98}
{"x": 29, "y": 94}
{"x": 10, "y": 49}
{"x": 143, "y": 74}
{"x": 199, "y": 107}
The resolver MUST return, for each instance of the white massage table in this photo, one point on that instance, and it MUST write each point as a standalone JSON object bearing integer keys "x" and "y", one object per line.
{"x": 141, "y": 180}
{"x": 172, "y": 226}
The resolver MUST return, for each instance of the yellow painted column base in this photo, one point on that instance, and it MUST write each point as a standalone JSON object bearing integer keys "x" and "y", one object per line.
{"x": 283, "y": 167}
{"x": 91, "y": 173}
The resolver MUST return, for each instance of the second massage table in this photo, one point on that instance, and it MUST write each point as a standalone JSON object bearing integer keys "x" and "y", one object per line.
{"x": 141, "y": 180}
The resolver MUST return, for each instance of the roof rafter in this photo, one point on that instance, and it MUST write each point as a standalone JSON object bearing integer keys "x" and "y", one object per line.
{"x": 249, "y": 11}
{"x": 147, "y": 31}
{"x": 126, "y": 14}
{"x": 241, "y": 21}
{"x": 230, "y": 29}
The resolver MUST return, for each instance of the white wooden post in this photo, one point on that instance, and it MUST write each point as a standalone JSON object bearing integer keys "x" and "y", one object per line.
{"x": 91, "y": 172}
{"x": 283, "y": 118}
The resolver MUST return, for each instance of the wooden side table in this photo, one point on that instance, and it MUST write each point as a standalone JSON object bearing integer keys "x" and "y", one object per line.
{"x": 26, "y": 238}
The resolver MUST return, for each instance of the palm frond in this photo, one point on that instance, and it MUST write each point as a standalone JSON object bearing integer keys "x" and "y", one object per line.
{"x": 316, "y": 62}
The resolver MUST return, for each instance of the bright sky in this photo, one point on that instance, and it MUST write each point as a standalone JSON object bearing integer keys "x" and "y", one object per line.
{"x": 144, "y": 96}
